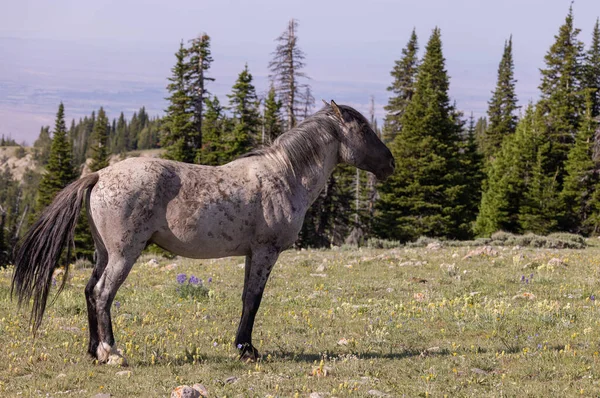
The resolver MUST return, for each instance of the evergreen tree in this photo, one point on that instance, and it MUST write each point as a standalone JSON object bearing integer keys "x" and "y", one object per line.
{"x": 472, "y": 165}
{"x": 244, "y": 106}
{"x": 502, "y": 106}
{"x": 286, "y": 74}
{"x": 272, "y": 125}
{"x": 199, "y": 60}
{"x": 508, "y": 177}
{"x": 59, "y": 170}
{"x": 121, "y": 136}
{"x": 592, "y": 70}
{"x": 423, "y": 196}
{"x": 213, "y": 132}
{"x": 42, "y": 146}
{"x": 403, "y": 88}
{"x": 582, "y": 178}
{"x": 561, "y": 96}
{"x": 149, "y": 137}
{"x": 99, "y": 147}
{"x": 178, "y": 124}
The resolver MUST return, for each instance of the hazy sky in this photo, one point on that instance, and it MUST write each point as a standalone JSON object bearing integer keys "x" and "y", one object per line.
{"x": 118, "y": 54}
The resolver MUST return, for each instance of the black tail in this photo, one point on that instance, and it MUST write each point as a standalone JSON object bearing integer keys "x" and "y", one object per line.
{"x": 39, "y": 251}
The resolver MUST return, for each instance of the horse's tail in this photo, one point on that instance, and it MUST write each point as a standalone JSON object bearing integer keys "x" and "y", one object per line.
{"x": 40, "y": 250}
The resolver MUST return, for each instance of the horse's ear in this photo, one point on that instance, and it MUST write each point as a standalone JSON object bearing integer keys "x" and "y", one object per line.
{"x": 337, "y": 111}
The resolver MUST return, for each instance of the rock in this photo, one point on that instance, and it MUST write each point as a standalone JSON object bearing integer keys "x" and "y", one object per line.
{"x": 482, "y": 251}
{"x": 343, "y": 341}
{"x": 318, "y": 395}
{"x": 201, "y": 389}
{"x": 554, "y": 262}
{"x": 319, "y": 275}
{"x": 524, "y": 296}
{"x": 102, "y": 395}
{"x": 321, "y": 268}
{"x": 377, "y": 393}
{"x": 61, "y": 375}
{"x": 169, "y": 267}
{"x": 231, "y": 380}
{"x": 434, "y": 246}
{"x": 126, "y": 373}
{"x": 152, "y": 263}
{"x": 185, "y": 392}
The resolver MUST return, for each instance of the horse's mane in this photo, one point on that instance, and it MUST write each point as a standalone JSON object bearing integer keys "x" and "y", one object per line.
{"x": 302, "y": 145}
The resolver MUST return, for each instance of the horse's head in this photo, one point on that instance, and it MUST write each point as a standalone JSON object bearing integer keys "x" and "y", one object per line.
{"x": 360, "y": 146}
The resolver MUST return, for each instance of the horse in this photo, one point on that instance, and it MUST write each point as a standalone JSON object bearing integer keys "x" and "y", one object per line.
{"x": 253, "y": 206}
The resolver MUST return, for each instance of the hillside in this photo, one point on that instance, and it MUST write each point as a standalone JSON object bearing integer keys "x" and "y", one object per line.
{"x": 18, "y": 163}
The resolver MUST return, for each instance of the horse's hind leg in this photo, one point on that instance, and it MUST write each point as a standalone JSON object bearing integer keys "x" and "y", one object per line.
{"x": 119, "y": 264}
{"x": 101, "y": 262}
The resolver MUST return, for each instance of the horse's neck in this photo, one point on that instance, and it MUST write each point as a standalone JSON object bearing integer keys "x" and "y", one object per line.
{"x": 313, "y": 179}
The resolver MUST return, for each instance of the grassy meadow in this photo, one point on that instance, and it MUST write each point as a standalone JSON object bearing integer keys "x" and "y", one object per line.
{"x": 409, "y": 322}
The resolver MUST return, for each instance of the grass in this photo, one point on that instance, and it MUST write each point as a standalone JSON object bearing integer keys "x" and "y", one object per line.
{"x": 403, "y": 322}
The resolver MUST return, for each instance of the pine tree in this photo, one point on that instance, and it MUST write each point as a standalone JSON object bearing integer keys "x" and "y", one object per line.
{"x": 198, "y": 64}
{"x": 42, "y": 146}
{"x": 423, "y": 196}
{"x": 286, "y": 74}
{"x": 582, "y": 177}
{"x": 502, "y": 106}
{"x": 121, "y": 136}
{"x": 99, "y": 147}
{"x": 59, "y": 170}
{"x": 403, "y": 88}
{"x": 592, "y": 70}
{"x": 178, "y": 124}
{"x": 243, "y": 103}
{"x": 561, "y": 96}
{"x": 213, "y": 132}
{"x": 272, "y": 124}
{"x": 508, "y": 177}
{"x": 472, "y": 165}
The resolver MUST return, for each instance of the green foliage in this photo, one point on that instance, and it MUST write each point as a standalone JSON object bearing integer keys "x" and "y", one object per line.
{"x": 214, "y": 128}
{"x": 243, "y": 103}
{"x": 42, "y": 146}
{"x": 198, "y": 64}
{"x": 403, "y": 88}
{"x": 99, "y": 146}
{"x": 121, "y": 142}
{"x": 423, "y": 196}
{"x": 271, "y": 121}
{"x": 192, "y": 288}
{"x": 59, "y": 170}
{"x": 502, "y": 106}
{"x": 562, "y": 100}
{"x": 592, "y": 69}
{"x": 582, "y": 181}
{"x": 178, "y": 123}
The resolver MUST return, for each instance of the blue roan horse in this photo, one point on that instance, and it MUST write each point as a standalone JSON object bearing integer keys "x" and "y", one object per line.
{"x": 253, "y": 207}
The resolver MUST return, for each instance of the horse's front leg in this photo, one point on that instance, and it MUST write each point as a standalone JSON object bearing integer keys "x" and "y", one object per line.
{"x": 258, "y": 267}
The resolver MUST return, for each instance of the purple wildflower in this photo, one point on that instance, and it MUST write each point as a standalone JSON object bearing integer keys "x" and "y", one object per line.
{"x": 117, "y": 304}
{"x": 210, "y": 279}
{"x": 239, "y": 346}
{"x": 527, "y": 281}
{"x": 531, "y": 276}
{"x": 194, "y": 280}
{"x": 53, "y": 281}
{"x": 181, "y": 278}
{"x": 593, "y": 297}
{"x": 522, "y": 278}
{"x": 215, "y": 344}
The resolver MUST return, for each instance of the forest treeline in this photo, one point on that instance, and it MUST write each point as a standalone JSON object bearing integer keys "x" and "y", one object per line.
{"x": 534, "y": 168}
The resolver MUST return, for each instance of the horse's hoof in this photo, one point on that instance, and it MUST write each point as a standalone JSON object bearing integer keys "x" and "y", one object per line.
{"x": 110, "y": 355}
{"x": 248, "y": 353}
